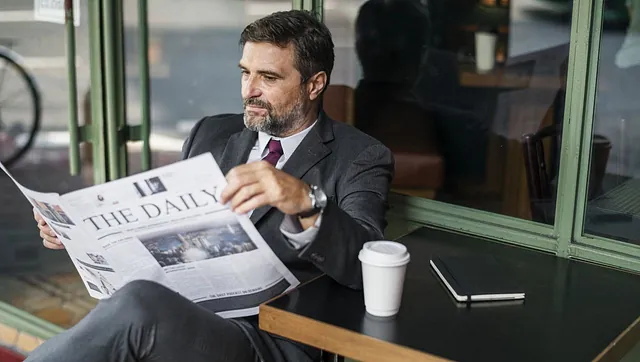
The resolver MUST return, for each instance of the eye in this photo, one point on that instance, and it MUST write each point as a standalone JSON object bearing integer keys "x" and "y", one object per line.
{"x": 269, "y": 78}
{"x": 244, "y": 72}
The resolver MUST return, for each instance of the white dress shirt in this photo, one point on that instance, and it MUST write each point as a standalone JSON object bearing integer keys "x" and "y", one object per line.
{"x": 290, "y": 226}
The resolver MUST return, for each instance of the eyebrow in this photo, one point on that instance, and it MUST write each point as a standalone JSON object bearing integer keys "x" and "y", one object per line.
{"x": 263, "y": 71}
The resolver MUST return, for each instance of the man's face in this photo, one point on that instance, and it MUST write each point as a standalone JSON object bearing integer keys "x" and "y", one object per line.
{"x": 274, "y": 96}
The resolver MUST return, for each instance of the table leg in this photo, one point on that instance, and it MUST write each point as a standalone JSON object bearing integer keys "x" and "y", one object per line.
{"x": 331, "y": 357}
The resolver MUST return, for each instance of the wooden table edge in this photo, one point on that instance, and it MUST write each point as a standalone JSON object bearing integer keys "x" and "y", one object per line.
{"x": 294, "y": 289}
{"x": 336, "y": 339}
{"x": 620, "y": 346}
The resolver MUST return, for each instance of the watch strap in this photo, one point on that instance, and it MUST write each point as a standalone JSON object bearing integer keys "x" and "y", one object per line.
{"x": 315, "y": 208}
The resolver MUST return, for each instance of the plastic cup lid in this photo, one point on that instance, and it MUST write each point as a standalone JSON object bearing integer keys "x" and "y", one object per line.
{"x": 384, "y": 253}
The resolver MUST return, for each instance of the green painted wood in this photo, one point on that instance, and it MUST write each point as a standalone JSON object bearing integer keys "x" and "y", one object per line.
{"x": 600, "y": 243}
{"x": 112, "y": 24}
{"x": 74, "y": 138}
{"x": 606, "y": 257}
{"x": 145, "y": 89}
{"x": 474, "y": 222}
{"x": 602, "y": 250}
{"x": 588, "y": 122}
{"x": 98, "y": 136}
{"x": 574, "y": 116}
{"x": 27, "y": 323}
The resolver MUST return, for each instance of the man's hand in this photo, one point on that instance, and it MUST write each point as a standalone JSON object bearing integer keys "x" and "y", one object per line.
{"x": 49, "y": 238}
{"x": 258, "y": 184}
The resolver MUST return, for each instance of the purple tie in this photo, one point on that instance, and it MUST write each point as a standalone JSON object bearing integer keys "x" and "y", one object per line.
{"x": 275, "y": 152}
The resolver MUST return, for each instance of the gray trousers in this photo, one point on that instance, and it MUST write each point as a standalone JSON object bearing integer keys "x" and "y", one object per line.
{"x": 144, "y": 321}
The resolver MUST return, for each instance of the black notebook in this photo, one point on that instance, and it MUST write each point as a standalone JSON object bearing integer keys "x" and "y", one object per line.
{"x": 477, "y": 278}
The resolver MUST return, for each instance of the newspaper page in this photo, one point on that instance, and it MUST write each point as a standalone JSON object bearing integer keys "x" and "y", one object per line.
{"x": 167, "y": 225}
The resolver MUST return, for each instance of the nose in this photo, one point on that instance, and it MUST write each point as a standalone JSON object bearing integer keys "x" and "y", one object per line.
{"x": 250, "y": 88}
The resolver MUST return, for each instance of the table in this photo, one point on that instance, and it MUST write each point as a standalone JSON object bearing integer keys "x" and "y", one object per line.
{"x": 502, "y": 79}
{"x": 574, "y": 311}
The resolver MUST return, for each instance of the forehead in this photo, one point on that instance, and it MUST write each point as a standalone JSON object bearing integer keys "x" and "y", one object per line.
{"x": 267, "y": 56}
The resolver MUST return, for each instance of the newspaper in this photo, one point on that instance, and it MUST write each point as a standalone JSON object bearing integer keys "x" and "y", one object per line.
{"x": 166, "y": 225}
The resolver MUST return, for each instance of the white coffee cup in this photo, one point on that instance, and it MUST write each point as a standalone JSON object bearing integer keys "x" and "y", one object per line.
{"x": 485, "y": 51}
{"x": 384, "y": 264}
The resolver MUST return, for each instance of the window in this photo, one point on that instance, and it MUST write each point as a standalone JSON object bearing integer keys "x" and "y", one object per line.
{"x": 32, "y": 278}
{"x": 193, "y": 60}
{"x": 613, "y": 199}
{"x": 193, "y": 66}
{"x": 468, "y": 95}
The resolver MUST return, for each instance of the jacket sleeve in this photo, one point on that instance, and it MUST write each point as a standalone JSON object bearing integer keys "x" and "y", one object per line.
{"x": 355, "y": 217}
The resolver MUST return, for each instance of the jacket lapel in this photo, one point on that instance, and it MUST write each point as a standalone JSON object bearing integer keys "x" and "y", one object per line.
{"x": 311, "y": 150}
{"x": 237, "y": 150}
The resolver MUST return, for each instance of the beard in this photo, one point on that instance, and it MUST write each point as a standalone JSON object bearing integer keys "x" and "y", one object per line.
{"x": 275, "y": 123}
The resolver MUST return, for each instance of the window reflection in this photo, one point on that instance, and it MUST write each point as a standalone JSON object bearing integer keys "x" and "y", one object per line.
{"x": 32, "y": 278}
{"x": 455, "y": 89}
{"x": 193, "y": 58}
{"x": 193, "y": 66}
{"x": 614, "y": 211}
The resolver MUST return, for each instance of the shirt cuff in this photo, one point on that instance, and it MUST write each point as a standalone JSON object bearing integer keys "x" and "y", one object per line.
{"x": 297, "y": 237}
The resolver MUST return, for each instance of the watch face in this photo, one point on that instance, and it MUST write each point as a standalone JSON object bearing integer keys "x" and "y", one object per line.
{"x": 321, "y": 198}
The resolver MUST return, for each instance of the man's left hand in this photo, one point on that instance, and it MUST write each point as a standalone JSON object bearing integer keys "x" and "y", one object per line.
{"x": 257, "y": 184}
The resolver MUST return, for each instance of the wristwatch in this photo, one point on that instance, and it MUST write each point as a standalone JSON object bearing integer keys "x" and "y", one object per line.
{"x": 318, "y": 201}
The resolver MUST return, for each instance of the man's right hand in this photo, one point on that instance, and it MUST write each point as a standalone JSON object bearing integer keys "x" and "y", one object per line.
{"x": 49, "y": 238}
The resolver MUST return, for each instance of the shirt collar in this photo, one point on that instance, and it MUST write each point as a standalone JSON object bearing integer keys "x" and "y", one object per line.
{"x": 289, "y": 144}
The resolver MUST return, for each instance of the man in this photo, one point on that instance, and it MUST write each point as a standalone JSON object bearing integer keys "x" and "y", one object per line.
{"x": 318, "y": 194}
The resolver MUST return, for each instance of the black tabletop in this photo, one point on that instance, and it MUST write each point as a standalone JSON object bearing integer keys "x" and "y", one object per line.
{"x": 572, "y": 312}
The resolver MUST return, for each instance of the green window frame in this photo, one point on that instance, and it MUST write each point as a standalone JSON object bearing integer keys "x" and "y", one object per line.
{"x": 108, "y": 132}
{"x": 565, "y": 238}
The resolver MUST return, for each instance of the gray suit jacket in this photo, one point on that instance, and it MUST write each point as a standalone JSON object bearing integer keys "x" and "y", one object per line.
{"x": 353, "y": 169}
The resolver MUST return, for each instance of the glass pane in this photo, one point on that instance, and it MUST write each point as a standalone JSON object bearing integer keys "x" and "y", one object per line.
{"x": 613, "y": 199}
{"x": 32, "y": 278}
{"x": 193, "y": 66}
{"x": 193, "y": 74}
{"x": 468, "y": 95}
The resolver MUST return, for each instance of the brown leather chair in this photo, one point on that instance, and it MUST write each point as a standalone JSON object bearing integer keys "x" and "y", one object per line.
{"x": 410, "y": 133}
{"x": 337, "y": 103}
{"x": 406, "y": 129}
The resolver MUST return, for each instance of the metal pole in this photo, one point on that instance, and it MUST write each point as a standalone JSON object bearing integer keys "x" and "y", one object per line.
{"x": 97, "y": 104}
{"x": 143, "y": 56}
{"x": 113, "y": 75}
{"x": 74, "y": 139}
{"x": 317, "y": 7}
{"x": 121, "y": 89}
{"x": 297, "y": 4}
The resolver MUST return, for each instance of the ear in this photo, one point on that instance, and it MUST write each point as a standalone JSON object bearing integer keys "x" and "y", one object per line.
{"x": 316, "y": 84}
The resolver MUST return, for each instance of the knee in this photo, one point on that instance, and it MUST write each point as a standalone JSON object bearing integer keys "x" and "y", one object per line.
{"x": 138, "y": 301}
{"x": 142, "y": 291}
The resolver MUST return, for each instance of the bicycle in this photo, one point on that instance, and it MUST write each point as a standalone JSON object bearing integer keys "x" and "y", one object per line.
{"x": 19, "y": 123}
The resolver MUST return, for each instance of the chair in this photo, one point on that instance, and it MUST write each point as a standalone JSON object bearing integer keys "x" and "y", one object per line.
{"x": 337, "y": 103}
{"x": 540, "y": 177}
{"x": 407, "y": 130}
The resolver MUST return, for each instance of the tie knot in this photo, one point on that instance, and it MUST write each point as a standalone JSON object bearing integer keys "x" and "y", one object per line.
{"x": 275, "y": 152}
{"x": 275, "y": 147}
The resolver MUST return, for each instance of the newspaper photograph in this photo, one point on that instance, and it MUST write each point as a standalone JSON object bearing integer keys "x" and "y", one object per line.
{"x": 167, "y": 225}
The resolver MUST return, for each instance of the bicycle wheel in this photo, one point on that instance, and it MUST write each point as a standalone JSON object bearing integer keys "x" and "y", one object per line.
{"x": 20, "y": 108}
